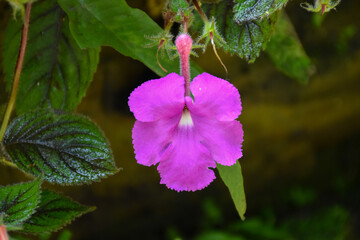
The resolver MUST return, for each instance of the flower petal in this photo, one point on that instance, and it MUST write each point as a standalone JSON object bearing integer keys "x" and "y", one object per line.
{"x": 159, "y": 98}
{"x": 184, "y": 166}
{"x": 151, "y": 139}
{"x": 222, "y": 138}
{"x": 216, "y": 97}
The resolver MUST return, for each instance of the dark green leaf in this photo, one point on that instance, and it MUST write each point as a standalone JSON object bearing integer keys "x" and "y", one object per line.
{"x": 18, "y": 202}
{"x": 247, "y": 10}
{"x": 56, "y": 71}
{"x": 286, "y": 51}
{"x": 246, "y": 39}
{"x": 67, "y": 148}
{"x": 95, "y": 23}
{"x": 53, "y": 213}
{"x": 233, "y": 179}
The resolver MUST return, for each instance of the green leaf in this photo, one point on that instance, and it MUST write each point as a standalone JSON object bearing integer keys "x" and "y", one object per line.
{"x": 247, "y": 10}
{"x": 53, "y": 213}
{"x": 233, "y": 179}
{"x": 286, "y": 51}
{"x": 56, "y": 72}
{"x": 18, "y": 202}
{"x": 67, "y": 148}
{"x": 95, "y": 23}
{"x": 245, "y": 39}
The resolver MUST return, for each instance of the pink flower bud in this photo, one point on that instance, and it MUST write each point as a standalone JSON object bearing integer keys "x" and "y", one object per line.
{"x": 183, "y": 44}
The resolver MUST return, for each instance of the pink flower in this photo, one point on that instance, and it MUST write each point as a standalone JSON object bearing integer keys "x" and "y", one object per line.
{"x": 186, "y": 137}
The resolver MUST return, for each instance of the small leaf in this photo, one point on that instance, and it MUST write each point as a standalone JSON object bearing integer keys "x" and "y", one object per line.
{"x": 56, "y": 72}
{"x": 247, "y": 10}
{"x": 233, "y": 179}
{"x": 67, "y": 148}
{"x": 246, "y": 39}
{"x": 53, "y": 213}
{"x": 18, "y": 202}
{"x": 286, "y": 51}
{"x": 95, "y": 23}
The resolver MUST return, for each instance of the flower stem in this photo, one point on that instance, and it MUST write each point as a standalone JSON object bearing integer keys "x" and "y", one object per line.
{"x": 216, "y": 54}
{"x": 17, "y": 74}
{"x": 183, "y": 44}
{"x": 201, "y": 12}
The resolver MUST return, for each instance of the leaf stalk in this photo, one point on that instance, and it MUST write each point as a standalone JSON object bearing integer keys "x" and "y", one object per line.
{"x": 17, "y": 74}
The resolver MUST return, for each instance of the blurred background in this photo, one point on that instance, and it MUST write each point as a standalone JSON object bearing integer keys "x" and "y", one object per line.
{"x": 301, "y": 146}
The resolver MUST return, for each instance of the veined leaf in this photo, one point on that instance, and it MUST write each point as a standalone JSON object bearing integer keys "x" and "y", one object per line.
{"x": 67, "y": 148}
{"x": 287, "y": 53}
{"x": 18, "y": 202}
{"x": 53, "y": 213}
{"x": 245, "y": 39}
{"x": 233, "y": 179}
{"x": 95, "y": 23}
{"x": 247, "y": 10}
{"x": 56, "y": 72}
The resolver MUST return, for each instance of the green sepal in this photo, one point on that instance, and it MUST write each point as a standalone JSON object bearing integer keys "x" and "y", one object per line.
{"x": 18, "y": 7}
{"x": 322, "y": 6}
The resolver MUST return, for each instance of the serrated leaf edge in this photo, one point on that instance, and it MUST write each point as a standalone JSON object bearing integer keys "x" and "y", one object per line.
{"x": 89, "y": 209}
{"x": 39, "y": 180}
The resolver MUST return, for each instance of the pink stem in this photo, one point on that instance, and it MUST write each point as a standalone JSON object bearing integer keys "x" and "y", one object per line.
{"x": 3, "y": 234}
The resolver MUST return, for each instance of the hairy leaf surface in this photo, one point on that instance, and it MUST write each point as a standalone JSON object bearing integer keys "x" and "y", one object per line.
{"x": 112, "y": 23}
{"x": 67, "y": 148}
{"x": 247, "y": 10}
{"x": 286, "y": 51}
{"x": 56, "y": 72}
{"x": 18, "y": 202}
{"x": 233, "y": 179}
{"x": 246, "y": 39}
{"x": 53, "y": 213}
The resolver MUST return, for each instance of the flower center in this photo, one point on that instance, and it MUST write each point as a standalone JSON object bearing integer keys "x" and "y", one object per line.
{"x": 186, "y": 120}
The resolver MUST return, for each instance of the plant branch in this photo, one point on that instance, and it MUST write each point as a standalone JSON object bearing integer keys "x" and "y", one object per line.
{"x": 17, "y": 74}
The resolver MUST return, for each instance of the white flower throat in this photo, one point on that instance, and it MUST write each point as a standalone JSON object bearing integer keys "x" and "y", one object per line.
{"x": 186, "y": 120}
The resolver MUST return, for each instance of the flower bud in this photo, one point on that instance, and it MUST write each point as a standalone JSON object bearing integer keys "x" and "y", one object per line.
{"x": 183, "y": 45}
